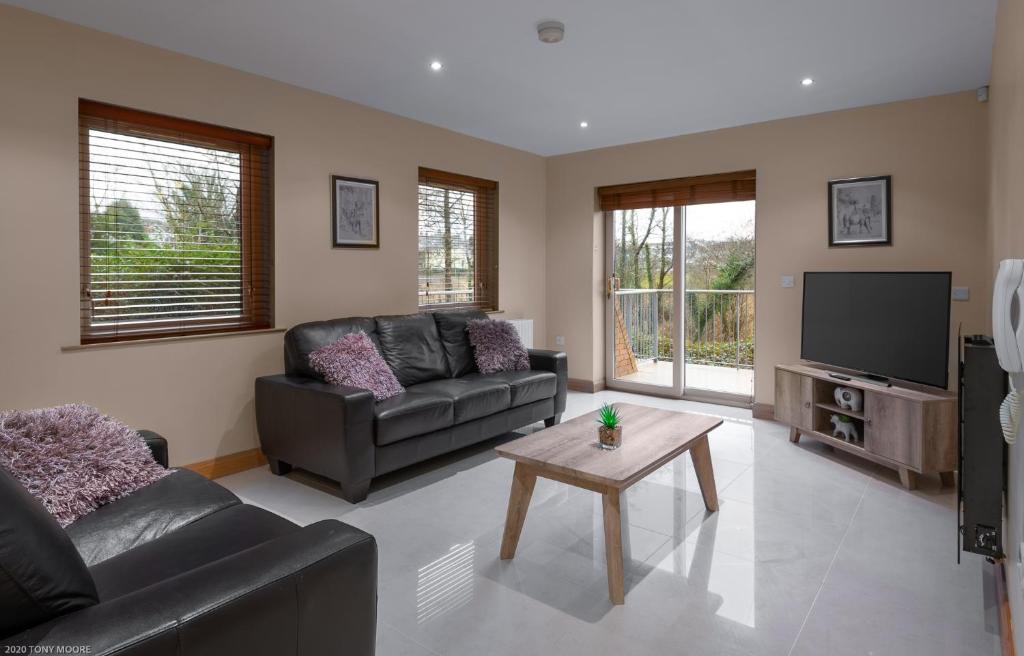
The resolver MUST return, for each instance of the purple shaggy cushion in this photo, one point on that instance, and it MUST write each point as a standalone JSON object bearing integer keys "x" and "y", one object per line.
{"x": 496, "y": 346}
{"x": 353, "y": 360}
{"x": 74, "y": 459}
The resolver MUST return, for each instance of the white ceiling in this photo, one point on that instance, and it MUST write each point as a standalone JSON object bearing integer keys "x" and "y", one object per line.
{"x": 634, "y": 70}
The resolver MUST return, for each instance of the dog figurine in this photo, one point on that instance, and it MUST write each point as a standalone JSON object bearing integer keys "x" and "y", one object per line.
{"x": 848, "y": 398}
{"x": 845, "y": 429}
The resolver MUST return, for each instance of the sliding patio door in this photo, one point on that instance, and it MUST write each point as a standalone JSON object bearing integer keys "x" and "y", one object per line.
{"x": 680, "y": 300}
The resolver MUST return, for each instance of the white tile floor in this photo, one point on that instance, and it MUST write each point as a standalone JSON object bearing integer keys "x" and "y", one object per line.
{"x": 812, "y": 553}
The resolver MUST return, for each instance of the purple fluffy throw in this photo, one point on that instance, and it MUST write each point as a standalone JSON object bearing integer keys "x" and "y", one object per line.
{"x": 74, "y": 459}
{"x": 353, "y": 360}
{"x": 496, "y": 346}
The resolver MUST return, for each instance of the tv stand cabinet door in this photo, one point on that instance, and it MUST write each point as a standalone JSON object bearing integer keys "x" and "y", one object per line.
{"x": 793, "y": 396}
{"x": 892, "y": 428}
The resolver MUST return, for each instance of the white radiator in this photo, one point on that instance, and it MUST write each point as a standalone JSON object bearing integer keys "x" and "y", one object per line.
{"x": 525, "y": 329}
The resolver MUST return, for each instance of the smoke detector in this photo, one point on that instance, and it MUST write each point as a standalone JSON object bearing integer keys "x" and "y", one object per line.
{"x": 551, "y": 31}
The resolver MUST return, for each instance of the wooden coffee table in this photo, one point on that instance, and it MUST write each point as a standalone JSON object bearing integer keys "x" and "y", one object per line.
{"x": 569, "y": 453}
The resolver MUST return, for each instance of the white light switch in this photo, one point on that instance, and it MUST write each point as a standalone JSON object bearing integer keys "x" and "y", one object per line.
{"x": 559, "y": 340}
{"x": 787, "y": 281}
{"x": 961, "y": 293}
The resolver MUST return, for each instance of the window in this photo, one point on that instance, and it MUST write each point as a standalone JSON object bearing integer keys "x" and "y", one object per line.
{"x": 176, "y": 235}
{"x": 458, "y": 234}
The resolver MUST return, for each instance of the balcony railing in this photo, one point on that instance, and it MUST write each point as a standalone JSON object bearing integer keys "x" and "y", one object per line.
{"x": 719, "y": 325}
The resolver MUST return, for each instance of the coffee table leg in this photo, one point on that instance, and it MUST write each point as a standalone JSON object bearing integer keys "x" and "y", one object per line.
{"x": 701, "y": 455}
{"x": 613, "y": 546}
{"x": 523, "y": 481}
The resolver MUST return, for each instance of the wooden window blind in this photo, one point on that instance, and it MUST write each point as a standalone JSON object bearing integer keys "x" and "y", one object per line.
{"x": 458, "y": 241}
{"x": 717, "y": 188}
{"x": 176, "y": 226}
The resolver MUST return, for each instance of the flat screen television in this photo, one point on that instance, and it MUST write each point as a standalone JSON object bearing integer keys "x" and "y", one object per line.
{"x": 885, "y": 324}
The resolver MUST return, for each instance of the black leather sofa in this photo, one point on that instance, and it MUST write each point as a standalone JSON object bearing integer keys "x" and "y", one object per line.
{"x": 180, "y": 568}
{"x": 342, "y": 433}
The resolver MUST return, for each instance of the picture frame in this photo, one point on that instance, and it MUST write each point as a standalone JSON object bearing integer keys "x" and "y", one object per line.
{"x": 355, "y": 212}
{"x": 860, "y": 211}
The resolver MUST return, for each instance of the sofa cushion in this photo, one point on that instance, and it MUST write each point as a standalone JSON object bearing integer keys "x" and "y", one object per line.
{"x": 355, "y": 361}
{"x": 474, "y": 396}
{"x": 526, "y": 386}
{"x": 41, "y": 574}
{"x": 303, "y": 339}
{"x": 204, "y": 541}
{"x": 172, "y": 502}
{"x": 412, "y": 347}
{"x": 497, "y": 346}
{"x": 74, "y": 459}
{"x": 452, "y": 327}
{"x": 411, "y": 413}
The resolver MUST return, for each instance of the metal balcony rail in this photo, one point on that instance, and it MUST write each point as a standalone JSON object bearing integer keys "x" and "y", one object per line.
{"x": 718, "y": 325}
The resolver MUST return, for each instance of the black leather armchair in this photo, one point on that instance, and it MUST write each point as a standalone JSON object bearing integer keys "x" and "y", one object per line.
{"x": 343, "y": 434}
{"x": 183, "y": 567}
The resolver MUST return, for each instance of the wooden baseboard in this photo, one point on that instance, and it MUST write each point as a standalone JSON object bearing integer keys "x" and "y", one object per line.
{"x": 584, "y": 385}
{"x": 231, "y": 463}
{"x": 763, "y": 411}
{"x": 1005, "y": 621}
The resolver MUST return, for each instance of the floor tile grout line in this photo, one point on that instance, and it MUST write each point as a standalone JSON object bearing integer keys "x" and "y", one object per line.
{"x": 419, "y": 644}
{"x": 828, "y": 572}
{"x": 735, "y": 478}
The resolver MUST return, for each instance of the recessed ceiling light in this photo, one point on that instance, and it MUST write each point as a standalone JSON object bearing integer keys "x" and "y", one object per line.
{"x": 807, "y": 81}
{"x": 584, "y": 124}
{"x": 436, "y": 65}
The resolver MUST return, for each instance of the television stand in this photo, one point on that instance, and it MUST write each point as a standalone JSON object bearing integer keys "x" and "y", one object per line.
{"x": 910, "y": 430}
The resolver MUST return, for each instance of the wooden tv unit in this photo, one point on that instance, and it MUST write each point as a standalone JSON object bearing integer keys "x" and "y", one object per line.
{"x": 908, "y": 429}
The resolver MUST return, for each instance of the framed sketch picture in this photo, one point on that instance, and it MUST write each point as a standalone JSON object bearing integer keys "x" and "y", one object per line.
{"x": 355, "y": 217}
{"x": 860, "y": 211}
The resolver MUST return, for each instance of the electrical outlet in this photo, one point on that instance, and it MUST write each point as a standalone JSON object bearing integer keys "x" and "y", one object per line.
{"x": 787, "y": 281}
{"x": 961, "y": 293}
{"x": 559, "y": 340}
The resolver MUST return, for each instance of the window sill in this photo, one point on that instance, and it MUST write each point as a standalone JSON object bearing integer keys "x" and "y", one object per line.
{"x": 167, "y": 340}
{"x": 454, "y": 308}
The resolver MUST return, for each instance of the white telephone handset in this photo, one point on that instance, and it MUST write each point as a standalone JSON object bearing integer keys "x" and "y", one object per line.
{"x": 1008, "y": 331}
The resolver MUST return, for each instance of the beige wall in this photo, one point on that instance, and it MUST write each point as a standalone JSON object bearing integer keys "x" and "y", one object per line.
{"x": 1007, "y": 234}
{"x": 934, "y": 148}
{"x": 1007, "y": 133}
{"x": 199, "y": 393}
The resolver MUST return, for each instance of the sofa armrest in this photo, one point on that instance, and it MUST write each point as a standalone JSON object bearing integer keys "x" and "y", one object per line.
{"x": 313, "y": 591}
{"x": 157, "y": 446}
{"x": 557, "y": 363}
{"x": 325, "y": 429}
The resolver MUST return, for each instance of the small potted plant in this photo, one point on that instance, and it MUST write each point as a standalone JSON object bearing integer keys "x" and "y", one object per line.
{"x": 609, "y": 430}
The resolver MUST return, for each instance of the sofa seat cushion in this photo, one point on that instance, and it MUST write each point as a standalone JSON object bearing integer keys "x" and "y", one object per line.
{"x": 172, "y": 502}
{"x": 474, "y": 395}
{"x": 218, "y": 535}
{"x": 526, "y": 386}
{"x": 411, "y": 413}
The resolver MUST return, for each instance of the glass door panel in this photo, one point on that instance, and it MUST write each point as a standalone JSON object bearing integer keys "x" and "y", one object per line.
{"x": 642, "y": 299}
{"x": 719, "y": 297}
